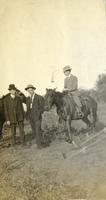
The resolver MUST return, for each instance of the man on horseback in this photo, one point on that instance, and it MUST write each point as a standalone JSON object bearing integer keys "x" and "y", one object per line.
{"x": 71, "y": 88}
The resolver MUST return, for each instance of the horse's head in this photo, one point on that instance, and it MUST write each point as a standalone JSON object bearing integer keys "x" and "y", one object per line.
{"x": 49, "y": 98}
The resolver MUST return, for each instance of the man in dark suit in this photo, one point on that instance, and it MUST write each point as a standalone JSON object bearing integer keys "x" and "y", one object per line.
{"x": 2, "y": 117}
{"x": 35, "y": 108}
{"x": 14, "y": 113}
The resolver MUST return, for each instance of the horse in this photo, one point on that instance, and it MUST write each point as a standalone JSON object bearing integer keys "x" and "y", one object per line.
{"x": 66, "y": 109}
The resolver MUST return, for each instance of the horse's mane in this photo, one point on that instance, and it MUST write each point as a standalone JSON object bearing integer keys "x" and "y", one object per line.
{"x": 58, "y": 99}
{"x": 64, "y": 104}
{"x": 61, "y": 100}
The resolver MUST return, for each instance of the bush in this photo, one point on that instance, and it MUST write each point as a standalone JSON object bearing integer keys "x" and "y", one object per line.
{"x": 101, "y": 87}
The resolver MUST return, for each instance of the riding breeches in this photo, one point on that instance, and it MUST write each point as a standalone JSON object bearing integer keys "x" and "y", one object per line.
{"x": 76, "y": 98}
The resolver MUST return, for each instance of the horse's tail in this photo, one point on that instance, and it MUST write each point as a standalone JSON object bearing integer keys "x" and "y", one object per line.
{"x": 93, "y": 111}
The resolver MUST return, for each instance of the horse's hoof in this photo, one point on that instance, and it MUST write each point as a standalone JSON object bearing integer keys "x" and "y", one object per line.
{"x": 69, "y": 141}
{"x": 75, "y": 145}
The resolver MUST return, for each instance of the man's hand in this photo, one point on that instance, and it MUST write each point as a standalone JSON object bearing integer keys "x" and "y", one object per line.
{"x": 65, "y": 92}
{"x": 8, "y": 123}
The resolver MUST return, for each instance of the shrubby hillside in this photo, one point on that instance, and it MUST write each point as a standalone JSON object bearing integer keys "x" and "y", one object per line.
{"x": 99, "y": 92}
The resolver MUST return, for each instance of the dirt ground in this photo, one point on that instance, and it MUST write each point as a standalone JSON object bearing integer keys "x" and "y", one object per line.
{"x": 60, "y": 171}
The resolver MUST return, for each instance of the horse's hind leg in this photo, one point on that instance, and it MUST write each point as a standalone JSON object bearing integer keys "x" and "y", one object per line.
{"x": 93, "y": 116}
{"x": 86, "y": 120}
{"x": 88, "y": 123}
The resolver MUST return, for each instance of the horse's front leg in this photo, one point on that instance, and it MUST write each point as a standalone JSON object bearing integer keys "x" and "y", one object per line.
{"x": 68, "y": 130}
{"x": 69, "y": 134}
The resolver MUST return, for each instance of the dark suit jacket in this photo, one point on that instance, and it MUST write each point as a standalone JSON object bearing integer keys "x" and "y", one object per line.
{"x": 13, "y": 109}
{"x": 37, "y": 107}
{"x": 2, "y": 117}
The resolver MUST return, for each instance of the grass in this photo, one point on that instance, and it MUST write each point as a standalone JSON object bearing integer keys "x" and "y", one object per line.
{"x": 31, "y": 174}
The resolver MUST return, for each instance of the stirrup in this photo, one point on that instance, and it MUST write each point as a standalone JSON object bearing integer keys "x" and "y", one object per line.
{"x": 81, "y": 114}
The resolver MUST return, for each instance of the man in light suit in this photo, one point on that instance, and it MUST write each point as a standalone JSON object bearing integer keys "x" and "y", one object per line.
{"x": 35, "y": 108}
{"x": 71, "y": 86}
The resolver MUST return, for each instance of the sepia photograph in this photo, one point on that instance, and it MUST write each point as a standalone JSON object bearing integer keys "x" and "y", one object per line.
{"x": 52, "y": 99}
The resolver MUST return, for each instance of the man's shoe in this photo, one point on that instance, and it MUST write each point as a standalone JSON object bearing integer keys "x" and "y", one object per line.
{"x": 39, "y": 146}
{"x": 1, "y": 137}
{"x": 45, "y": 145}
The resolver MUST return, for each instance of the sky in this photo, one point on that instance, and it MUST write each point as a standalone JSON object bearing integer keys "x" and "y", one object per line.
{"x": 39, "y": 37}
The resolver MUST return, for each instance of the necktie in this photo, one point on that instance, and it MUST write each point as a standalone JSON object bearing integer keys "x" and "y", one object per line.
{"x": 31, "y": 101}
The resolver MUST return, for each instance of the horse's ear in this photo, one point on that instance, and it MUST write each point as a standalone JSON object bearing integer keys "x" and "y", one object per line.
{"x": 55, "y": 89}
{"x": 46, "y": 89}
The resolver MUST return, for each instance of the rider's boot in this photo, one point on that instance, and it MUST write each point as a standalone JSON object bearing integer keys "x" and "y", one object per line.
{"x": 80, "y": 113}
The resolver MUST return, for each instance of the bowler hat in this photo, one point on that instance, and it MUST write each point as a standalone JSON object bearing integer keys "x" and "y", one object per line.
{"x": 67, "y": 68}
{"x": 12, "y": 87}
{"x": 30, "y": 86}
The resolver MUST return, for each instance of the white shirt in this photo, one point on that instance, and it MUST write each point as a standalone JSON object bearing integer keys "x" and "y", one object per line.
{"x": 32, "y": 98}
{"x": 13, "y": 96}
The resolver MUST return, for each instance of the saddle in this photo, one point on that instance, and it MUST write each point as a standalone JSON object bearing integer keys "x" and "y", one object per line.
{"x": 84, "y": 100}
{"x": 77, "y": 112}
